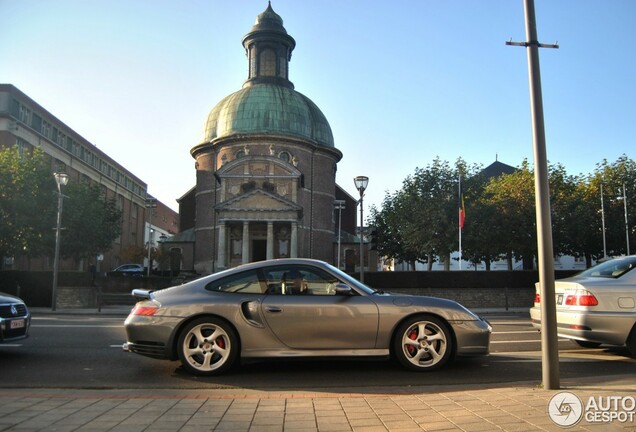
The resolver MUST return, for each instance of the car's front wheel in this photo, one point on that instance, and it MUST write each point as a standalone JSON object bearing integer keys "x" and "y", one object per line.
{"x": 207, "y": 346}
{"x": 631, "y": 342}
{"x": 423, "y": 343}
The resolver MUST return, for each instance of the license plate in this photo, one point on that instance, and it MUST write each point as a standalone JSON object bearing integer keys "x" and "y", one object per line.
{"x": 560, "y": 299}
{"x": 15, "y": 324}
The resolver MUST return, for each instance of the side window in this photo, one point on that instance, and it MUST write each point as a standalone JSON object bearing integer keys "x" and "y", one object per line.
{"x": 299, "y": 280}
{"x": 246, "y": 282}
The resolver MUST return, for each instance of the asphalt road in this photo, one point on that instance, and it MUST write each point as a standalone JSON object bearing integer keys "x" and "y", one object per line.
{"x": 76, "y": 351}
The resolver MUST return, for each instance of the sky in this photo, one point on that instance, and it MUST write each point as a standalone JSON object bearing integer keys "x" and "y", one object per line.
{"x": 401, "y": 83}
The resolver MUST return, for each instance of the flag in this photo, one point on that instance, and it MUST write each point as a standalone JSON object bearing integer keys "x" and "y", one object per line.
{"x": 462, "y": 211}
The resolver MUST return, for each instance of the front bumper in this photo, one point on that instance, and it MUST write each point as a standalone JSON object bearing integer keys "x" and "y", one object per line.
{"x": 473, "y": 337}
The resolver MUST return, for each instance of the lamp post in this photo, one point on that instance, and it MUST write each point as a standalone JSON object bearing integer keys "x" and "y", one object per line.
{"x": 340, "y": 206}
{"x": 361, "y": 183}
{"x": 151, "y": 203}
{"x": 603, "y": 224}
{"x": 626, "y": 222}
{"x": 61, "y": 179}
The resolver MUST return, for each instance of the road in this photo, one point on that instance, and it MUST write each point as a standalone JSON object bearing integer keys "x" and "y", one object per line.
{"x": 77, "y": 351}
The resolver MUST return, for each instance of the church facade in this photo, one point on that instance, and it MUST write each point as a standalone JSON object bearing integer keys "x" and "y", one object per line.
{"x": 266, "y": 167}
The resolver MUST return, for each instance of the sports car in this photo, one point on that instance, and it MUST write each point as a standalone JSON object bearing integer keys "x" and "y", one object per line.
{"x": 15, "y": 319}
{"x": 596, "y": 306}
{"x": 297, "y": 308}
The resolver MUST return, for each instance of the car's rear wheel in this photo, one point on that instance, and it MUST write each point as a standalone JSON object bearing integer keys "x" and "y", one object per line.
{"x": 207, "y": 346}
{"x": 586, "y": 344}
{"x": 423, "y": 343}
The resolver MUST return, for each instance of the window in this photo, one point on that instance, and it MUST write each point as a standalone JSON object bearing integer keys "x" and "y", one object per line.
{"x": 246, "y": 282}
{"x": 284, "y": 156}
{"x": 268, "y": 63}
{"x": 299, "y": 280}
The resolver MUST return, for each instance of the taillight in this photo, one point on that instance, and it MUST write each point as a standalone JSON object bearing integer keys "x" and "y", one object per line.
{"x": 144, "y": 310}
{"x": 537, "y": 298}
{"x": 584, "y": 298}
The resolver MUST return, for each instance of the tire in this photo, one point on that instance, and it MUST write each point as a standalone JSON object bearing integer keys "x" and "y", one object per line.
{"x": 207, "y": 346}
{"x": 631, "y": 342}
{"x": 586, "y": 344}
{"x": 423, "y": 343}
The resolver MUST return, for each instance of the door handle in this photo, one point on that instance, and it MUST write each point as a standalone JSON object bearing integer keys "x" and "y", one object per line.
{"x": 274, "y": 309}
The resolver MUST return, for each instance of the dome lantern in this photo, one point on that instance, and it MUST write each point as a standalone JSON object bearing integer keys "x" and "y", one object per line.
{"x": 268, "y": 48}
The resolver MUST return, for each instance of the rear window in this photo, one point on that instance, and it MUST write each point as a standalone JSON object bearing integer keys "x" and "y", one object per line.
{"x": 614, "y": 268}
{"x": 245, "y": 282}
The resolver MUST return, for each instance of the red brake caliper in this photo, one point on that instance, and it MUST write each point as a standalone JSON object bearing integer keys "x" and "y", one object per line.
{"x": 413, "y": 336}
{"x": 220, "y": 342}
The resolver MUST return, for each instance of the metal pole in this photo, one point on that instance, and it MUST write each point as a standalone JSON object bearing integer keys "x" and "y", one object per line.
{"x": 56, "y": 259}
{"x": 603, "y": 224}
{"x": 340, "y": 206}
{"x": 545, "y": 259}
{"x": 150, "y": 205}
{"x": 361, "y": 245}
{"x": 626, "y": 223}
{"x": 549, "y": 341}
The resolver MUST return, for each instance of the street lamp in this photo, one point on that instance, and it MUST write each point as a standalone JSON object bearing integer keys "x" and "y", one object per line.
{"x": 626, "y": 223}
{"x": 61, "y": 179}
{"x": 340, "y": 206}
{"x": 151, "y": 203}
{"x": 361, "y": 183}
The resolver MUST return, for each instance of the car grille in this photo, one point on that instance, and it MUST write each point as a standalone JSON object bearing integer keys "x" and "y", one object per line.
{"x": 14, "y": 333}
{"x": 5, "y": 310}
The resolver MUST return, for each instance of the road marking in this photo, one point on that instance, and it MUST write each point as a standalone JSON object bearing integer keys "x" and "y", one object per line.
{"x": 11, "y": 345}
{"x": 523, "y": 341}
{"x": 516, "y": 332}
{"x": 78, "y": 325}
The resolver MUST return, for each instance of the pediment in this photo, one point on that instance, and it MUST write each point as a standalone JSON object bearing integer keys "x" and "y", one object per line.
{"x": 258, "y": 200}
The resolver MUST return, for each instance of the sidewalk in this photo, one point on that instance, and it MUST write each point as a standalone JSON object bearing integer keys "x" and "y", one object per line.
{"x": 514, "y": 407}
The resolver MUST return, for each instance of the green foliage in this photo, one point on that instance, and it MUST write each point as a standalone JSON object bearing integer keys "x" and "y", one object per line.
{"x": 28, "y": 210}
{"x": 27, "y": 203}
{"x": 420, "y": 221}
{"x": 93, "y": 221}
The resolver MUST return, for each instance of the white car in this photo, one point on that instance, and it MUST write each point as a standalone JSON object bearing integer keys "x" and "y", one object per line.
{"x": 596, "y": 306}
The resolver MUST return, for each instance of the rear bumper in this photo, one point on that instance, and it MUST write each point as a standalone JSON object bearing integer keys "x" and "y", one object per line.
{"x": 148, "y": 349}
{"x": 602, "y": 327}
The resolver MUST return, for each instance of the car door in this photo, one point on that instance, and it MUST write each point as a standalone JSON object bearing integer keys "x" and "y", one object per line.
{"x": 318, "y": 318}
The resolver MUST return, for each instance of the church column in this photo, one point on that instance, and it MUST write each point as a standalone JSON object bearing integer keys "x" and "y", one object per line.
{"x": 245, "y": 252}
{"x": 270, "y": 240}
{"x": 294, "y": 240}
{"x": 222, "y": 245}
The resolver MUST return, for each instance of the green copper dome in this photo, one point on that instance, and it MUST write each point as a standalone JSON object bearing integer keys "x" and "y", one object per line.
{"x": 268, "y": 108}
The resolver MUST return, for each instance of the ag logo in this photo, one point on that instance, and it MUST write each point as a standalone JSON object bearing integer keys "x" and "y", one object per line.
{"x": 565, "y": 409}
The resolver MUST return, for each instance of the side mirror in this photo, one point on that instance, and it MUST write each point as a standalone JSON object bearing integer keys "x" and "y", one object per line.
{"x": 343, "y": 289}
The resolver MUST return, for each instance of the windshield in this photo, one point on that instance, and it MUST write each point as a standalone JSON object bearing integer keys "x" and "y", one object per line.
{"x": 350, "y": 280}
{"x": 614, "y": 268}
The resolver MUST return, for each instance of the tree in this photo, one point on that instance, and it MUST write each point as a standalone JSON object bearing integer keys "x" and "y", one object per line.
{"x": 27, "y": 203}
{"x": 91, "y": 220}
{"x": 483, "y": 231}
{"x": 512, "y": 195}
{"x": 618, "y": 179}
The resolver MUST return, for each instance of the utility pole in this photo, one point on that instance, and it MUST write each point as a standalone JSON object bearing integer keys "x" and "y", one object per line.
{"x": 549, "y": 341}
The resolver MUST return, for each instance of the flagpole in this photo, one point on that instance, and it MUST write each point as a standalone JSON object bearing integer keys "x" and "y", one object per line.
{"x": 459, "y": 215}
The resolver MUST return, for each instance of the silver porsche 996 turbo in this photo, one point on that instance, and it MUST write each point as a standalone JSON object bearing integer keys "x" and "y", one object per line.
{"x": 297, "y": 308}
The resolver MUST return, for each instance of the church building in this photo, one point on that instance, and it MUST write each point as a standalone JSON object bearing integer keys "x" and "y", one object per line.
{"x": 265, "y": 168}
